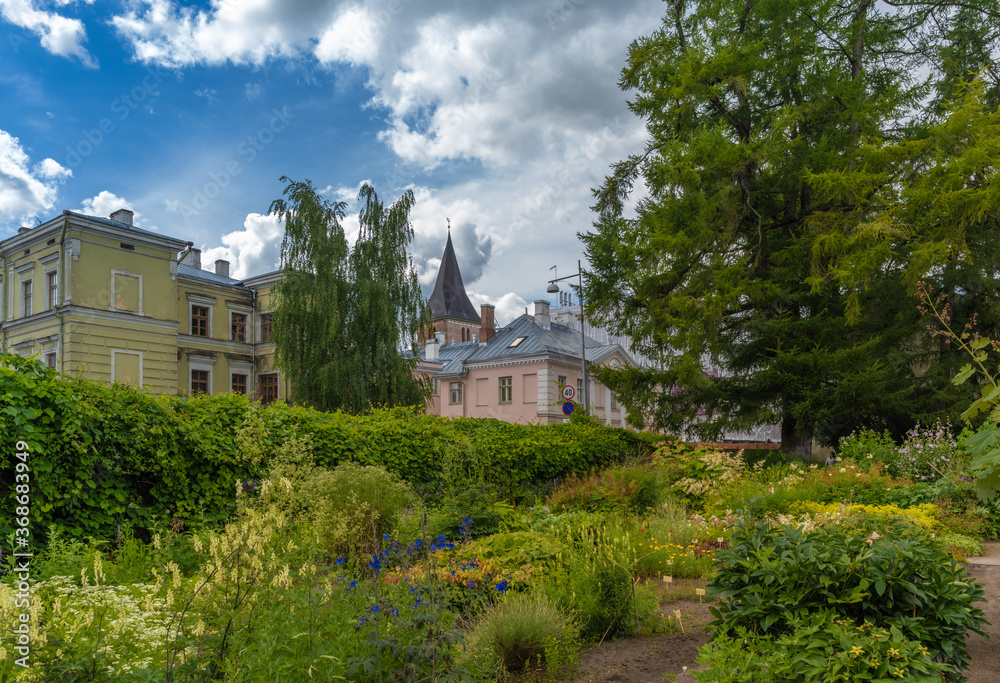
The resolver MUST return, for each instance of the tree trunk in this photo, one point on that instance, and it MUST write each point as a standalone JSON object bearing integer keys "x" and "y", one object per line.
{"x": 796, "y": 438}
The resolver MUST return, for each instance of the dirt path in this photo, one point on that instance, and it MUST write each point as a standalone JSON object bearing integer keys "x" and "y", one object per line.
{"x": 648, "y": 659}
{"x": 984, "y": 664}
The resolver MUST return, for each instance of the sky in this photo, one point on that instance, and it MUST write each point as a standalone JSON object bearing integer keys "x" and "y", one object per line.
{"x": 500, "y": 116}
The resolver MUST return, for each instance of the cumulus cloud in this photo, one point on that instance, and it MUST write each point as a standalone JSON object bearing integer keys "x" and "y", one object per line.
{"x": 506, "y": 308}
{"x": 26, "y": 190}
{"x": 104, "y": 203}
{"x": 523, "y": 94}
{"x": 254, "y": 250}
{"x": 59, "y": 35}
{"x": 164, "y": 32}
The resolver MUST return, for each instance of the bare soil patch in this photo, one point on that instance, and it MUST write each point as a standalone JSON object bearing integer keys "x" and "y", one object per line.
{"x": 649, "y": 659}
{"x": 984, "y": 665}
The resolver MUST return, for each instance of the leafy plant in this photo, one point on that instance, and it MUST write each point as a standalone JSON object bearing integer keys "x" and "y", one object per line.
{"x": 821, "y": 648}
{"x": 353, "y": 506}
{"x": 772, "y": 576}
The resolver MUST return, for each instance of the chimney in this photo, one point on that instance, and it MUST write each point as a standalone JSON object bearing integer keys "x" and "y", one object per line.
{"x": 440, "y": 337}
{"x": 542, "y": 314}
{"x": 431, "y": 348}
{"x": 222, "y": 267}
{"x": 193, "y": 259}
{"x": 122, "y": 216}
{"x": 486, "y": 325}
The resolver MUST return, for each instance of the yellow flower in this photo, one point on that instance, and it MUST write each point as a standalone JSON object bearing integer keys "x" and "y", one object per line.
{"x": 856, "y": 650}
{"x": 893, "y": 652}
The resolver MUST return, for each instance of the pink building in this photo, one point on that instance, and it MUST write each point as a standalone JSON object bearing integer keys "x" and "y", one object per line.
{"x": 516, "y": 373}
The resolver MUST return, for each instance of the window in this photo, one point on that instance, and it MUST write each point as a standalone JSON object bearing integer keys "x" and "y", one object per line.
{"x": 614, "y": 402}
{"x": 435, "y": 386}
{"x": 239, "y": 327}
{"x": 506, "y": 389}
{"x": 456, "y": 392}
{"x": 50, "y": 359}
{"x": 199, "y": 381}
{"x": 265, "y": 328}
{"x": 579, "y": 390}
{"x": 53, "y": 287}
{"x": 561, "y": 381}
{"x": 199, "y": 321}
{"x": 26, "y": 298}
{"x": 239, "y": 384}
{"x": 268, "y": 388}
{"x": 516, "y": 342}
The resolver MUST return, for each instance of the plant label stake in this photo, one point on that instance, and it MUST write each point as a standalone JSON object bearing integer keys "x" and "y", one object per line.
{"x": 677, "y": 613}
{"x": 668, "y": 580}
{"x": 700, "y": 592}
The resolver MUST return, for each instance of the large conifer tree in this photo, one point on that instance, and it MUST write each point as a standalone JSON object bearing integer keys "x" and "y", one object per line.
{"x": 781, "y": 233}
{"x": 342, "y": 317}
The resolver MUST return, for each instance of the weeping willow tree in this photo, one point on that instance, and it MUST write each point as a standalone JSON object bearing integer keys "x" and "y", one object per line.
{"x": 343, "y": 316}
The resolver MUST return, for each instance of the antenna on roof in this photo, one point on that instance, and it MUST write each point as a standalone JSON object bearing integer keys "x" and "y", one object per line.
{"x": 449, "y": 225}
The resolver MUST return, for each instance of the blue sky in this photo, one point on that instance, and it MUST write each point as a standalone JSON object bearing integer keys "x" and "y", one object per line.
{"x": 499, "y": 116}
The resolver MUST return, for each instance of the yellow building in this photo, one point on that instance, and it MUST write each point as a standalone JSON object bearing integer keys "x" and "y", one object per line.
{"x": 102, "y": 299}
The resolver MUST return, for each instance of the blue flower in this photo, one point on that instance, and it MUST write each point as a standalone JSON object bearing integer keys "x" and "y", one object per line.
{"x": 341, "y": 560}
{"x": 375, "y": 564}
{"x": 502, "y": 587}
{"x": 373, "y": 609}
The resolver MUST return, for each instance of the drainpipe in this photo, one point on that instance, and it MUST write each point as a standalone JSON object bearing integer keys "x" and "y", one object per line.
{"x": 253, "y": 347}
{"x": 3, "y": 305}
{"x": 64, "y": 289}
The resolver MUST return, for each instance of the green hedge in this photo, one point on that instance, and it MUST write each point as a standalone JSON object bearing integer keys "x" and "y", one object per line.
{"x": 104, "y": 456}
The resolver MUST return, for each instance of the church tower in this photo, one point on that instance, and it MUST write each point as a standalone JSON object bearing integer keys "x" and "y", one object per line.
{"x": 451, "y": 310}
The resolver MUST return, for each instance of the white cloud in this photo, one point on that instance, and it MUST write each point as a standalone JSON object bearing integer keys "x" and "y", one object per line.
{"x": 254, "y": 250}
{"x": 522, "y": 94}
{"x": 106, "y": 202}
{"x": 59, "y": 35}
{"x": 235, "y": 31}
{"x": 506, "y": 308}
{"x": 26, "y": 190}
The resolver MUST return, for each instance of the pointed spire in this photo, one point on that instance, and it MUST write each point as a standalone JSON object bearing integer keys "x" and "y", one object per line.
{"x": 449, "y": 300}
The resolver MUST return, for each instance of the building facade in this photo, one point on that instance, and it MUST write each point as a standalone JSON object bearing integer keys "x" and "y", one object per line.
{"x": 102, "y": 299}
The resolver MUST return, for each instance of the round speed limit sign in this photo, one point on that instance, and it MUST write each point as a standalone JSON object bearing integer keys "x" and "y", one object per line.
{"x": 568, "y": 392}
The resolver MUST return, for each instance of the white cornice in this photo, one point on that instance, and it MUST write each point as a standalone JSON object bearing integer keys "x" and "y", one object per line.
{"x": 189, "y": 341}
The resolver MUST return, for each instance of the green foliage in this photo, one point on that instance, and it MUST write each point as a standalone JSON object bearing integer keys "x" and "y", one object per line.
{"x": 353, "y": 506}
{"x": 634, "y": 489}
{"x": 787, "y": 213}
{"x": 772, "y": 576}
{"x": 867, "y": 447}
{"x": 821, "y": 648}
{"x": 524, "y": 632}
{"x": 341, "y": 315}
{"x": 104, "y": 457}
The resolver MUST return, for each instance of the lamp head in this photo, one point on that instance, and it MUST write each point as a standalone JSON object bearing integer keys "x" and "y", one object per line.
{"x": 552, "y": 288}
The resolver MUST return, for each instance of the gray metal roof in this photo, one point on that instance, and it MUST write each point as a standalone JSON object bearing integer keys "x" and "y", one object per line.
{"x": 207, "y": 275}
{"x": 131, "y": 228}
{"x": 557, "y": 339}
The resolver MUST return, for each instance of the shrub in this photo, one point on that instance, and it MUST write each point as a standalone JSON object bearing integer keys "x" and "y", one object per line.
{"x": 867, "y": 447}
{"x": 353, "y": 506}
{"x": 821, "y": 648}
{"x": 621, "y": 489}
{"x": 521, "y": 631}
{"x": 771, "y": 576}
{"x": 922, "y": 515}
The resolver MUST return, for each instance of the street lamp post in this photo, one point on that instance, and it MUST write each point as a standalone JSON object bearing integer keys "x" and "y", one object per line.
{"x": 553, "y": 288}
